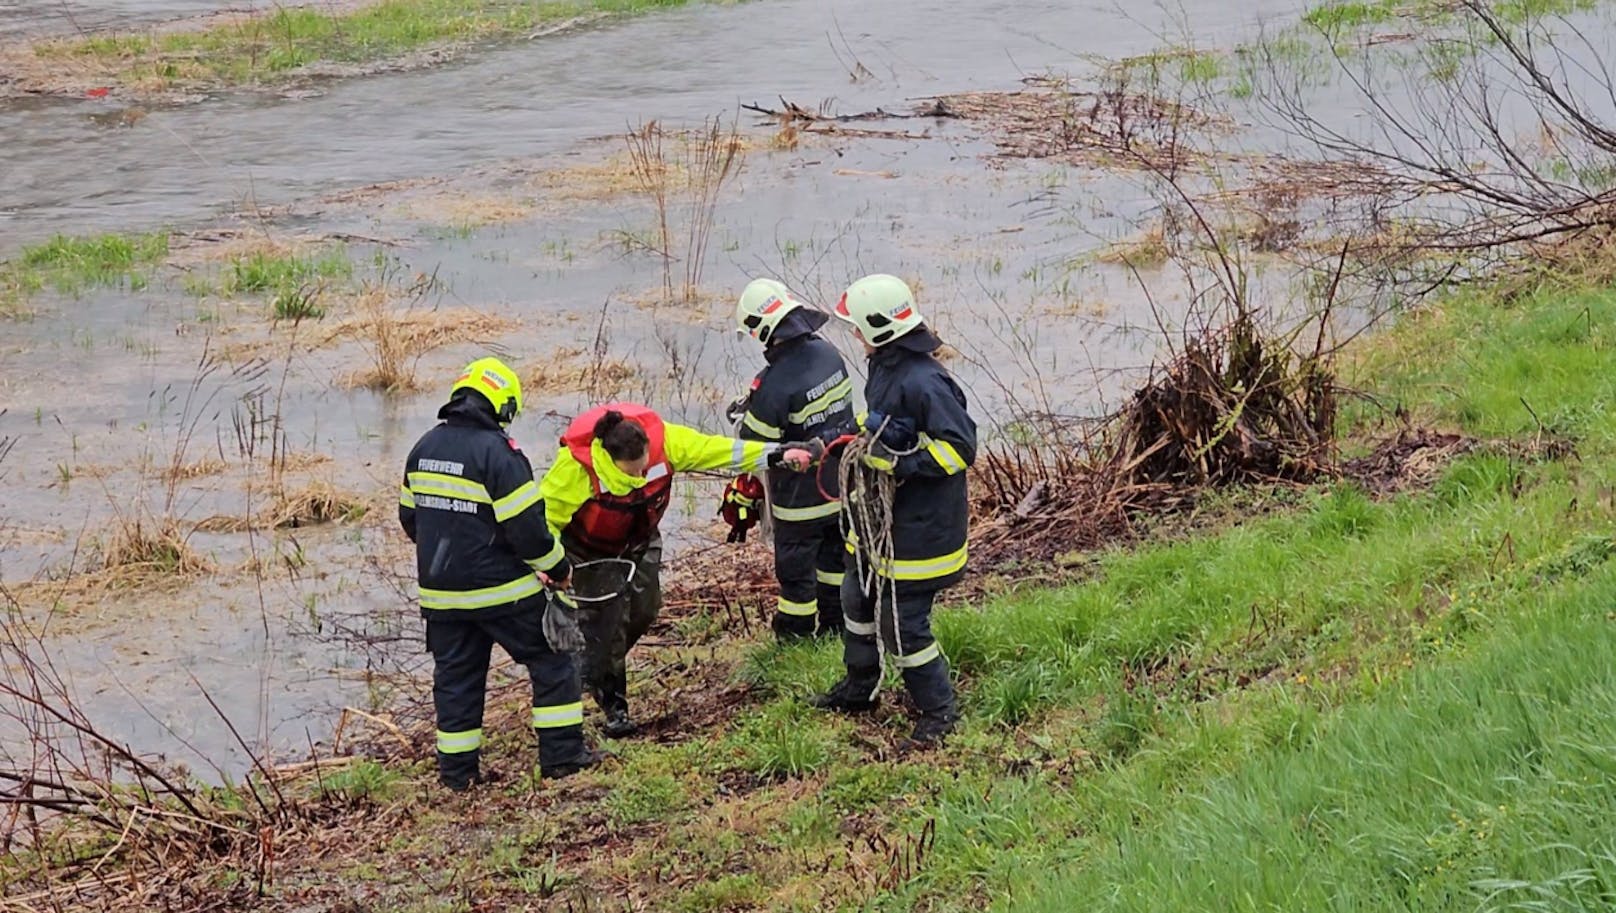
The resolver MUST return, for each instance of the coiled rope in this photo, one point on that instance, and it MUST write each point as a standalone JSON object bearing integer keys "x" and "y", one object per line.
{"x": 867, "y": 496}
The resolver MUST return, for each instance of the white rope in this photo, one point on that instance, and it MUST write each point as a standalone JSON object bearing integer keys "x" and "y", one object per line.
{"x": 867, "y": 496}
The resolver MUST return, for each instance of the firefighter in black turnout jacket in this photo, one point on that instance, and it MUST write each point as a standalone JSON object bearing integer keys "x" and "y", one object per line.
{"x": 485, "y": 556}
{"x": 803, "y": 394}
{"x": 923, "y": 437}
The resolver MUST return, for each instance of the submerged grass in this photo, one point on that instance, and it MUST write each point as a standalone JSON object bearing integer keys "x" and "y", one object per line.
{"x": 73, "y": 264}
{"x": 294, "y": 283}
{"x": 280, "y": 42}
{"x": 1336, "y": 16}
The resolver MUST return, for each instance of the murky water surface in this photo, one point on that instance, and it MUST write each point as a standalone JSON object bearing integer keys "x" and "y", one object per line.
{"x": 275, "y": 642}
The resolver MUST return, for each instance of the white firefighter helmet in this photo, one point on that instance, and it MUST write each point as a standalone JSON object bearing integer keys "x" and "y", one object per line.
{"x": 762, "y": 305}
{"x": 882, "y": 308}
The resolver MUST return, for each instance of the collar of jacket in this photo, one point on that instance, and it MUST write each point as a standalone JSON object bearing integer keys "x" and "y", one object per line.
{"x": 467, "y": 409}
{"x": 799, "y": 324}
{"x": 918, "y": 341}
{"x": 611, "y": 478}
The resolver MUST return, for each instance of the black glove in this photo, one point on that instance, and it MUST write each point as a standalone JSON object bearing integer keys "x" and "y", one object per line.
{"x": 560, "y": 624}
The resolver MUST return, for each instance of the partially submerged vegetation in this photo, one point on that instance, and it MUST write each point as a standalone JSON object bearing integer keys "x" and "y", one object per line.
{"x": 295, "y": 283}
{"x": 287, "y": 42}
{"x": 72, "y": 265}
{"x": 292, "y": 279}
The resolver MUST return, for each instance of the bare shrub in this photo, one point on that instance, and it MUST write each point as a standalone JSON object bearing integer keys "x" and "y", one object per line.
{"x": 696, "y": 171}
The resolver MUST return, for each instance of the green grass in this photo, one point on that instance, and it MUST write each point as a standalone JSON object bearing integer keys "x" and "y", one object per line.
{"x": 1307, "y": 52}
{"x": 262, "y": 272}
{"x": 292, "y": 282}
{"x": 1155, "y": 705}
{"x": 364, "y": 779}
{"x": 71, "y": 265}
{"x": 1334, "y": 17}
{"x": 786, "y": 740}
{"x": 1478, "y": 784}
{"x": 1518, "y": 11}
{"x": 267, "y": 47}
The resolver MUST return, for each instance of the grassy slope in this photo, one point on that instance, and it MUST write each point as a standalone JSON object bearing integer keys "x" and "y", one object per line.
{"x": 1354, "y": 704}
{"x": 1479, "y": 781}
{"x": 274, "y": 45}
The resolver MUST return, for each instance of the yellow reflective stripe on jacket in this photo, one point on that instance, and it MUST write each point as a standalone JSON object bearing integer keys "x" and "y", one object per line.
{"x": 526, "y": 495}
{"x": 556, "y": 716}
{"x": 799, "y": 514}
{"x": 448, "y": 486}
{"x": 761, "y": 427}
{"x": 920, "y": 658}
{"x": 823, "y": 403}
{"x": 786, "y": 607}
{"x": 520, "y": 588}
{"x": 689, "y": 450}
{"x": 406, "y": 498}
{"x": 460, "y": 742}
{"x": 830, "y": 578}
{"x": 946, "y": 456}
{"x": 750, "y": 456}
{"x": 549, "y": 559}
{"x": 917, "y": 568}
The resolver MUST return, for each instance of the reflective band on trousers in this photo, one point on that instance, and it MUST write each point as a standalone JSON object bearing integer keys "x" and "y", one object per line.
{"x": 787, "y": 607}
{"x": 559, "y": 715}
{"x": 460, "y": 742}
{"x": 520, "y": 588}
{"x": 526, "y": 495}
{"x": 798, "y": 514}
{"x": 918, "y": 568}
{"x": 861, "y": 628}
{"x": 916, "y": 660}
{"x": 830, "y": 578}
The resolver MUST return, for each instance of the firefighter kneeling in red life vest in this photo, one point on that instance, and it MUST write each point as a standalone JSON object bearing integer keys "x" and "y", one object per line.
{"x": 604, "y": 498}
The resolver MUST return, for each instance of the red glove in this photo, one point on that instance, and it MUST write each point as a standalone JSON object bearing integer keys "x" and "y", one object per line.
{"x": 741, "y": 506}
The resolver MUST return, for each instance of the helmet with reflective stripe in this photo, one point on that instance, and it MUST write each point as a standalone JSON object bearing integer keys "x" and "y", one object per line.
{"x": 882, "y": 308}
{"x": 497, "y": 383}
{"x": 763, "y": 304}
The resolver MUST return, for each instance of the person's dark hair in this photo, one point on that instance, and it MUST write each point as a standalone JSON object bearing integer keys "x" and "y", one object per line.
{"x": 623, "y": 438}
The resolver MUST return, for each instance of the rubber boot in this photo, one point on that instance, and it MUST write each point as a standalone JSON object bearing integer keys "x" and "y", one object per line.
{"x": 590, "y": 758}
{"x": 932, "y": 728}
{"x": 613, "y": 699}
{"x": 848, "y": 696}
{"x": 792, "y": 628}
{"x": 933, "y": 694}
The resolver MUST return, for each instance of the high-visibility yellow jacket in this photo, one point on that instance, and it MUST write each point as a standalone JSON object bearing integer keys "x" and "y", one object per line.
{"x": 569, "y": 484}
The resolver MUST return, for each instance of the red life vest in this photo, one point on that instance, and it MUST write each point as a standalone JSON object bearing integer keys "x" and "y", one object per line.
{"x": 608, "y": 523}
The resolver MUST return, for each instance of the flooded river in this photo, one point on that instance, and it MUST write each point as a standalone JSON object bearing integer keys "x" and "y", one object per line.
{"x": 267, "y": 634}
